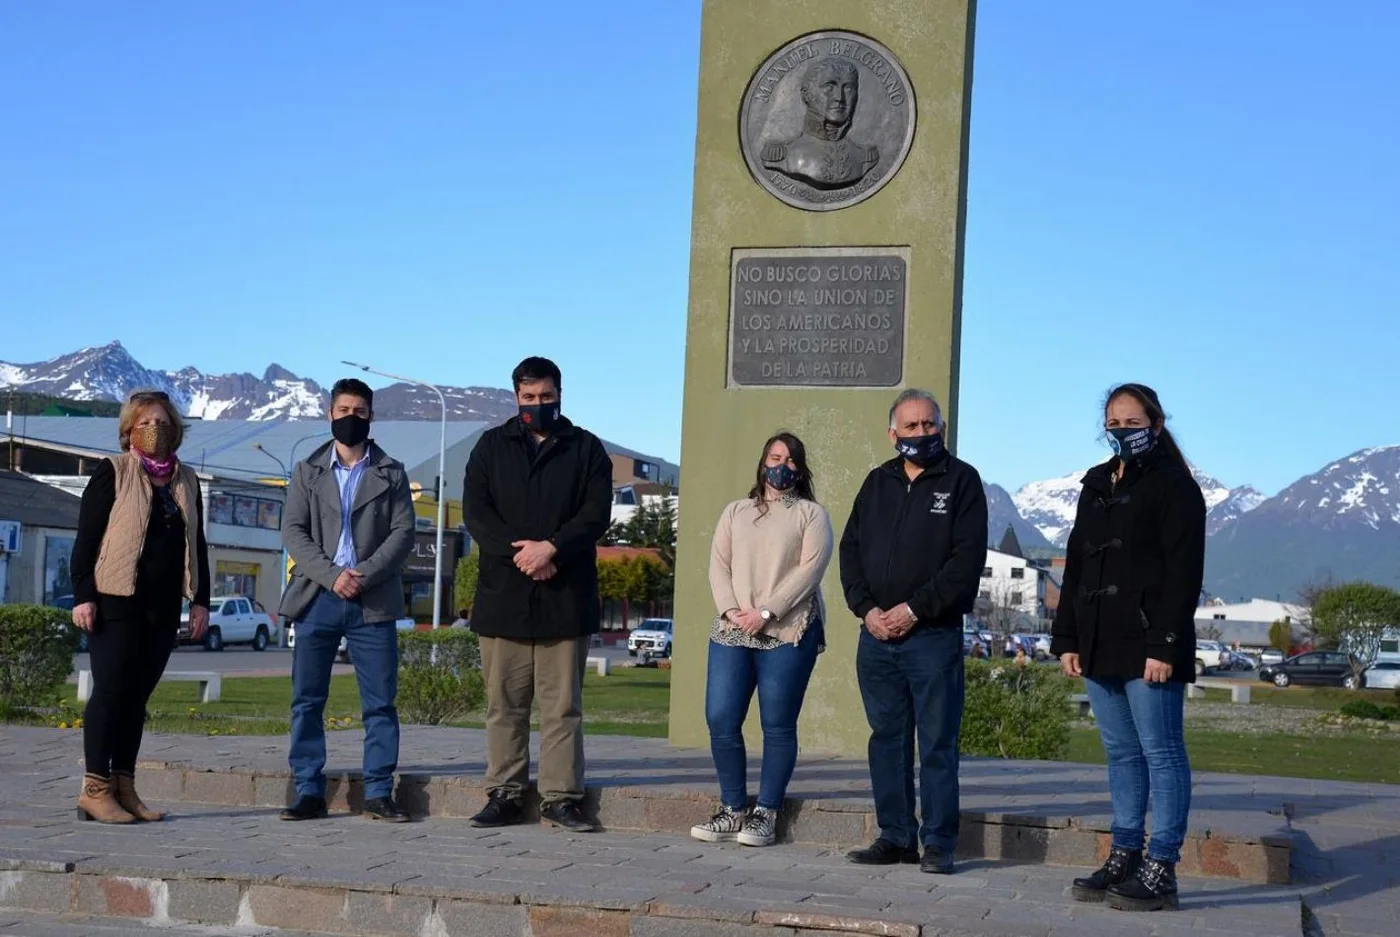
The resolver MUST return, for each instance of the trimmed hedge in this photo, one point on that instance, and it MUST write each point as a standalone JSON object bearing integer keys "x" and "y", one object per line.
{"x": 1016, "y": 712}
{"x": 439, "y": 675}
{"x": 37, "y": 644}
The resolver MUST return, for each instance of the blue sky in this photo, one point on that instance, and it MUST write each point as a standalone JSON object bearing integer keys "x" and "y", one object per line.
{"x": 1199, "y": 195}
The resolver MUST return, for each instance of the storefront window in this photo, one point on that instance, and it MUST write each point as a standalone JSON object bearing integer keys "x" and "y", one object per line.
{"x": 58, "y": 579}
{"x": 236, "y": 578}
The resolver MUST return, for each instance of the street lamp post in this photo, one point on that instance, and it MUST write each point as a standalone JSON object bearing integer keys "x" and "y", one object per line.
{"x": 442, "y": 481}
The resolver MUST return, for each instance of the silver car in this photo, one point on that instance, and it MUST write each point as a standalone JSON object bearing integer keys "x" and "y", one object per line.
{"x": 1383, "y": 675}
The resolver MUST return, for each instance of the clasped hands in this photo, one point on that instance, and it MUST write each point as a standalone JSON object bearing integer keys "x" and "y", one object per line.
{"x": 535, "y": 558}
{"x": 890, "y": 625}
{"x": 1155, "y": 671}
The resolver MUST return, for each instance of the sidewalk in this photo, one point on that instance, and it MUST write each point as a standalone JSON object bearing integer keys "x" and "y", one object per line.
{"x": 238, "y": 864}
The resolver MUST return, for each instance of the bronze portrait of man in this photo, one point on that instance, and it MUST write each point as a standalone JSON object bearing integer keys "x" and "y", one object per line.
{"x": 821, "y": 155}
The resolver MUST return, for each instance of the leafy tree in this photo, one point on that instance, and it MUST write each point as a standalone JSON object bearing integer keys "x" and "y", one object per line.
{"x": 632, "y": 579}
{"x": 1281, "y": 636}
{"x": 651, "y": 525}
{"x": 1355, "y": 616}
{"x": 464, "y": 581}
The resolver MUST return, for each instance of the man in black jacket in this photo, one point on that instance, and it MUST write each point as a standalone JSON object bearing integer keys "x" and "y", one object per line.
{"x": 911, "y": 562}
{"x": 537, "y": 498}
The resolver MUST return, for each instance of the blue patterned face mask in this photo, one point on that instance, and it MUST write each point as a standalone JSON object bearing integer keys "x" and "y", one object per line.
{"x": 781, "y": 477}
{"x": 1131, "y": 442}
{"x": 921, "y": 450}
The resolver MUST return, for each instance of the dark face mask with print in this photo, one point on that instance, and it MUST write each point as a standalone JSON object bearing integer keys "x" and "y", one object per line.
{"x": 1131, "y": 442}
{"x": 780, "y": 477}
{"x": 540, "y": 417}
{"x": 920, "y": 450}
{"x": 350, "y": 430}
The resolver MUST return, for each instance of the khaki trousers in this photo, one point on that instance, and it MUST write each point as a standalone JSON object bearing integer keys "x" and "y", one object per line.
{"x": 518, "y": 673}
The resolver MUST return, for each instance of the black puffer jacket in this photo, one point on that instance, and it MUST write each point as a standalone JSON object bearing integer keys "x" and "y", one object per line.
{"x": 1133, "y": 571}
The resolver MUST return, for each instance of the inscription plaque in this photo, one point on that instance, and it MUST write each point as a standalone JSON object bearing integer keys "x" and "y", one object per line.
{"x": 818, "y": 317}
{"x": 827, "y": 120}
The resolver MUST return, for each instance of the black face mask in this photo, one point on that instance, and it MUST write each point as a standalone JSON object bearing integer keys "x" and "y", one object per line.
{"x": 1131, "y": 442}
{"x": 921, "y": 450}
{"x": 540, "y": 417}
{"x": 350, "y": 430}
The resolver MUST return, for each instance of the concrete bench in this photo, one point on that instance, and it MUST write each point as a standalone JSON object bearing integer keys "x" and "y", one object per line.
{"x": 602, "y": 664}
{"x": 1239, "y": 691}
{"x": 210, "y": 683}
{"x": 1080, "y": 701}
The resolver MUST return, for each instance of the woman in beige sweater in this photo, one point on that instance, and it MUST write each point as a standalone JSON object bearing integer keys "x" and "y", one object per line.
{"x": 769, "y": 554}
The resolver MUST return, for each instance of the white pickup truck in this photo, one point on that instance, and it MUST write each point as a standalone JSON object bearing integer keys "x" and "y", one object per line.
{"x": 233, "y": 619}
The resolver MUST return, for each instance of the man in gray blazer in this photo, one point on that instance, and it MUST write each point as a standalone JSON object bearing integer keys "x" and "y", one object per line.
{"x": 348, "y": 527}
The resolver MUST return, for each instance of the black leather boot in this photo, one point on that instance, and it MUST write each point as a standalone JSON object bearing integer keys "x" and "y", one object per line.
{"x": 1122, "y": 865}
{"x": 1152, "y": 889}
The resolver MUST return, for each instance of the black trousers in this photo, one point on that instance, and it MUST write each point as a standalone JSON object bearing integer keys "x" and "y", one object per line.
{"x": 129, "y": 648}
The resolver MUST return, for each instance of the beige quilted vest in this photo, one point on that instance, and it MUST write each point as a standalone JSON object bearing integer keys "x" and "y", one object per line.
{"x": 126, "y": 525}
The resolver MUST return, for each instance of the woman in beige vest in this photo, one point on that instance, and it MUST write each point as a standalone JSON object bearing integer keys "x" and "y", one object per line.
{"x": 767, "y": 559}
{"x": 139, "y": 551}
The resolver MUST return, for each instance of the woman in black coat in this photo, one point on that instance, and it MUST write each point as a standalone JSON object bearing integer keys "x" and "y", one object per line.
{"x": 1126, "y": 624}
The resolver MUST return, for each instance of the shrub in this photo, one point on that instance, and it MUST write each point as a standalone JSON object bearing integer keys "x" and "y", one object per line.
{"x": 439, "y": 675}
{"x": 1390, "y": 713}
{"x": 1362, "y": 709}
{"x": 1015, "y": 712}
{"x": 37, "y": 645}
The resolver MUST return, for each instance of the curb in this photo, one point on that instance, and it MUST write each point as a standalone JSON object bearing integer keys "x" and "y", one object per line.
{"x": 1262, "y": 858}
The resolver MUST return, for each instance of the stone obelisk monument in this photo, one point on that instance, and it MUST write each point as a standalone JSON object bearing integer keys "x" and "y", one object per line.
{"x": 825, "y": 276}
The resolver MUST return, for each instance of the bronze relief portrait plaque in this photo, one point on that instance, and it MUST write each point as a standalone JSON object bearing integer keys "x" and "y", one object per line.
{"x": 827, "y": 120}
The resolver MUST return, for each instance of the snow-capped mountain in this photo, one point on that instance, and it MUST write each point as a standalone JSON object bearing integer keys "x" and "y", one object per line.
{"x": 1002, "y": 513}
{"x": 1050, "y": 505}
{"x": 109, "y": 372}
{"x": 1342, "y": 522}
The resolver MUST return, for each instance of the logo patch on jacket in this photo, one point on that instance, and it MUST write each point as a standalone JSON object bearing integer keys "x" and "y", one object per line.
{"x": 940, "y": 502}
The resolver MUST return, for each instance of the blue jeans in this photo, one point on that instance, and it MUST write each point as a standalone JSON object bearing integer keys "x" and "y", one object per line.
{"x": 374, "y": 649}
{"x": 780, "y": 675}
{"x": 1140, "y": 724}
{"x": 914, "y": 687}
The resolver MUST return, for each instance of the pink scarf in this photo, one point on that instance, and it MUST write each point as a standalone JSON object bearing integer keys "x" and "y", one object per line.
{"x": 158, "y": 468}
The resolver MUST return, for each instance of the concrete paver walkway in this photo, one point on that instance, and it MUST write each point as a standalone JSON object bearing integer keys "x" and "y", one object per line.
{"x": 238, "y": 865}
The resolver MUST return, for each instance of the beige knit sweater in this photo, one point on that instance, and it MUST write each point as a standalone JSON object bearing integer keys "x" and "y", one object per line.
{"x": 774, "y": 561}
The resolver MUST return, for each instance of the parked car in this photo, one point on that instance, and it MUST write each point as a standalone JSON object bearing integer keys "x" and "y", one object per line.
{"x": 1319, "y": 668}
{"x": 651, "y": 637}
{"x": 1042, "y": 646}
{"x": 233, "y": 619}
{"x": 1271, "y": 656}
{"x": 1242, "y": 661}
{"x": 1211, "y": 655}
{"x": 1383, "y": 675}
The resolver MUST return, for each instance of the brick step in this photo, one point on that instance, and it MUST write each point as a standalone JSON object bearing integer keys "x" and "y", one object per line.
{"x": 244, "y": 871}
{"x": 1259, "y": 856}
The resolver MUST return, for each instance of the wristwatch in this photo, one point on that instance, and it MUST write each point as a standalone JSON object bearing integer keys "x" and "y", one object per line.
{"x": 766, "y": 615}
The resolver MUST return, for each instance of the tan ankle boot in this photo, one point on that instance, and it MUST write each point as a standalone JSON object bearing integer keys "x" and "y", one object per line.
{"x": 97, "y": 803}
{"x": 130, "y": 801}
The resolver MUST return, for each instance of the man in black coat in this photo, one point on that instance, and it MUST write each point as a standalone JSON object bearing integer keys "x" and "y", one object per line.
{"x": 911, "y": 563}
{"x": 537, "y": 498}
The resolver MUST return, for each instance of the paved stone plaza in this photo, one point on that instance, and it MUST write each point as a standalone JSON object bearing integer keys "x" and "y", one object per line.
{"x": 236, "y": 869}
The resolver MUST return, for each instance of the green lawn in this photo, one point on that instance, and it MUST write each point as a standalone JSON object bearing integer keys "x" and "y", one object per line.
{"x": 636, "y": 701}
{"x": 1351, "y": 757}
{"x": 630, "y": 701}
{"x": 1306, "y": 697}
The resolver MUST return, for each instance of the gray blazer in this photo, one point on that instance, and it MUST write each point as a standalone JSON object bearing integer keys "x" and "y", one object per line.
{"x": 382, "y": 523}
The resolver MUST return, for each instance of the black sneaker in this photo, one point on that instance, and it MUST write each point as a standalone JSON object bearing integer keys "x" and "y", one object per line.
{"x": 936, "y": 862}
{"x": 1122, "y": 865}
{"x": 884, "y": 852}
{"x": 1152, "y": 889}
{"x": 306, "y": 807}
{"x": 500, "y": 810}
{"x": 384, "y": 808}
{"x": 568, "y": 815}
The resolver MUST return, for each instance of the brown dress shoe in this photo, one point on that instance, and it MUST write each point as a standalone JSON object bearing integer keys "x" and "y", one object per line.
{"x": 130, "y": 801}
{"x": 97, "y": 803}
